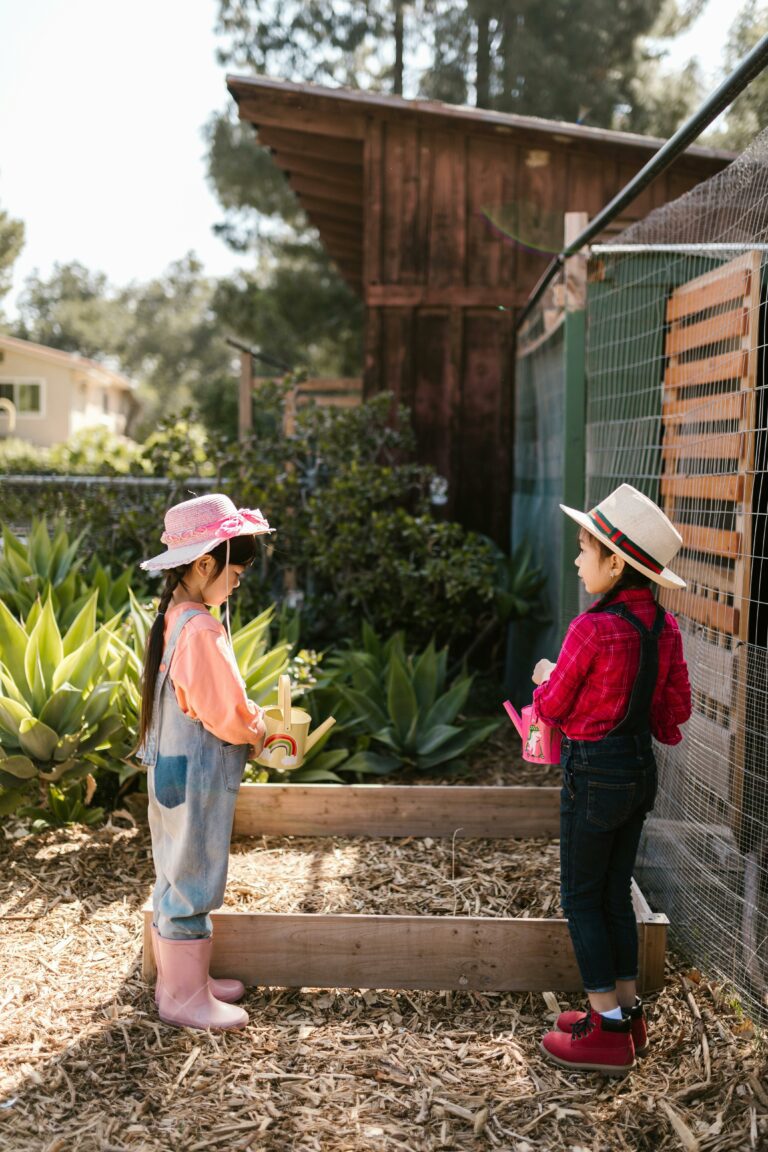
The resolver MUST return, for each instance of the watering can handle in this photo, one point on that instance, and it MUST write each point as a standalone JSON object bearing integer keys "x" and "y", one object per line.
{"x": 514, "y": 717}
{"x": 284, "y": 700}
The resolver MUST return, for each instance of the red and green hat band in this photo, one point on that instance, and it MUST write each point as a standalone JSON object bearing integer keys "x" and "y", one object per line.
{"x": 623, "y": 542}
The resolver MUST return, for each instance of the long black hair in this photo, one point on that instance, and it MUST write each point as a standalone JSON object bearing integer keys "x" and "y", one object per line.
{"x": 242, "y": 551}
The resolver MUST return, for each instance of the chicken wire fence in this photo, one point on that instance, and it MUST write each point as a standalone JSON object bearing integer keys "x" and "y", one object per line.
{"x": 676, "y": 405}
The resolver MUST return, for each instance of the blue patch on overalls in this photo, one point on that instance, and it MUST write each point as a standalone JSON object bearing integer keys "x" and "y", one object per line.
{"x": 171, "y": 780}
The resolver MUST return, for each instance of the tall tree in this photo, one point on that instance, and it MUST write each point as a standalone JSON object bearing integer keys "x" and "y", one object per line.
{"x": 748, "y": 115}
{"x": 75, "y": 310}
{"x": 11, "y": 244}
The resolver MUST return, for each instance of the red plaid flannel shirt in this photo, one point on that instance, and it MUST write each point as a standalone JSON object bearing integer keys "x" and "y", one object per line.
{"x": 589, "y": 689}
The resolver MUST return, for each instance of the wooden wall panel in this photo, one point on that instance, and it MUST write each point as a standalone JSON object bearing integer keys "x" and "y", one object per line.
{"x": 490, "y": 172}
{"x": 483, "y": 444}
{"x": 432, "y": 404}
{"x": 447, "y": 227}
{"x": 403, "y": 257}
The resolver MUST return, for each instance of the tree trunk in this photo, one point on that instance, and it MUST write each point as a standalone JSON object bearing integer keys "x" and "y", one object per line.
{"x": 399, "y": 38}
{"x": 483, "y": 71}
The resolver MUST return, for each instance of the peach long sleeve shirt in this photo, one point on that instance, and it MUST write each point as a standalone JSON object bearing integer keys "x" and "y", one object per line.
{"x": 207, "y": 681}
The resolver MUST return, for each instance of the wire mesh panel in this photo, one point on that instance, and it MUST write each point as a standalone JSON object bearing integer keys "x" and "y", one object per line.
{"x": 676, "y": 406}
{"x": 538, "y": 482}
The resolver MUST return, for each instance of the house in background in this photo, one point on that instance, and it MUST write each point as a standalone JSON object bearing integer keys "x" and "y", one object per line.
{"x": 55, "y": 394}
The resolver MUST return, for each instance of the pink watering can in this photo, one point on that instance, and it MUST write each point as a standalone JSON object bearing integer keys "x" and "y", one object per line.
{"x": 541, "y": 744}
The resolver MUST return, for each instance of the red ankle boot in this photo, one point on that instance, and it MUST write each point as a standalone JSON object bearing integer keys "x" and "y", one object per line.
{"x": 594, "y": 1044}
{"x": 566, "y": 1021}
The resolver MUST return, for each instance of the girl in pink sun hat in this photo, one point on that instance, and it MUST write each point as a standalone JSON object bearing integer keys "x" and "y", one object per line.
{"x": 620, "y": 681}
{"x": 196, "y": 730}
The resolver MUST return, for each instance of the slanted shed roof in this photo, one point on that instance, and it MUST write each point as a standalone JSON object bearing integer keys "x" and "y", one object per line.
{"x": 317, "y": 138}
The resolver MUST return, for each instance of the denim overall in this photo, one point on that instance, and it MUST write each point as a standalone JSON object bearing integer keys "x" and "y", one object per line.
{"x": 609, "y": 786}
{"x": 193, "y": 780}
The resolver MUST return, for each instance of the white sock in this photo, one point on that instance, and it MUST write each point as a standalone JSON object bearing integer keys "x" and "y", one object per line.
{"x": 613, "y": 1014}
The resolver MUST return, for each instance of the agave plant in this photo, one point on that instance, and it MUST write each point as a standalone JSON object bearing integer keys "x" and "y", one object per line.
{"x": 399, "y": 707}
{"x": 60, "y": 702}
{"x": 53, "y": 564}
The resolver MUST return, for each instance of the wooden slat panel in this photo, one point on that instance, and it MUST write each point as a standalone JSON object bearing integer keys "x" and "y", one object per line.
{"x": 715, "y": 541}
{"x": 711, "y": 370}
{"x": 430, "y": 952}
{"x": 704, "y": 487}
{"x": 726, "y": 446}
{"x": 715, "y": 576}
{"x": 696, "y": 297}
{"x": 724, "y": 326}
{"x": 396, "y": 810}
{"x": 705, "y": 409}
{"x": 711, "y": 613}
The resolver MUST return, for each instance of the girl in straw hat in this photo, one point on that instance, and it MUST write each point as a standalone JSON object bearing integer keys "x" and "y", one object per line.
{"x": 620, "y": 679}
{"x": 197, "y": 726}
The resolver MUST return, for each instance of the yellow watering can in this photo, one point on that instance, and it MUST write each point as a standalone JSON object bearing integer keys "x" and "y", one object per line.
{"x": 288, "y": 740}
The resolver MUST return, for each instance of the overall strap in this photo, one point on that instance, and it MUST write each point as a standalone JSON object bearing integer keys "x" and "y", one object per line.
{"x": 638, "y": 715}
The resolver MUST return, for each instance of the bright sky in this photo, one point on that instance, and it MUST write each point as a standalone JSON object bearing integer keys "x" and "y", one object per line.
{"x": 102, "y": 103}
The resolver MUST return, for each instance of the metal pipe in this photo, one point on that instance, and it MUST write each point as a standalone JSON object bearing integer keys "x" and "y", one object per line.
{"x": 752, "y": 64}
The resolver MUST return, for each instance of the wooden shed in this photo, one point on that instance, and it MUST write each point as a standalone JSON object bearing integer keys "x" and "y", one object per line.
{"x": 443, "y": 218}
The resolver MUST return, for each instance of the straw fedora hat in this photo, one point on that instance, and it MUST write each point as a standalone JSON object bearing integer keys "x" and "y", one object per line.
{"x": 636, "y": 529}
{"x": 195, "y": 527}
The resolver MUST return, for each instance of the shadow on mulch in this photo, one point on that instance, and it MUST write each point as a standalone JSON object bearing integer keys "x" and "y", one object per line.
{"x": 85, "y": 1066}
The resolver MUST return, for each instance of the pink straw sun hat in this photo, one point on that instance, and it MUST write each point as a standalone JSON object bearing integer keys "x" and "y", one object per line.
{"x": 195, "y": 527}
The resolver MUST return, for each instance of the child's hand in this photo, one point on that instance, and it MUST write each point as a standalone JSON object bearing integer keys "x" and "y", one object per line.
{"x": 543, "y": 671}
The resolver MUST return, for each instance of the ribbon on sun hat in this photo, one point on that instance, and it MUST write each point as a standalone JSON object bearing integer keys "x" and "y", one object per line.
{"x": 197, "y": 526}
{"x": 636, "y": 529}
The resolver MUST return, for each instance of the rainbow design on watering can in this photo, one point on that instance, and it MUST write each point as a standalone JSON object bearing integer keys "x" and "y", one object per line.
{"x": 282, "y": 741}
{"x": 288, "y": 737}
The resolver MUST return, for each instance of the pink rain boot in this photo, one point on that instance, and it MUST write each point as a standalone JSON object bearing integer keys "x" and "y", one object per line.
{"x": 227, "y": 990}
{"x": 185, "y": 997}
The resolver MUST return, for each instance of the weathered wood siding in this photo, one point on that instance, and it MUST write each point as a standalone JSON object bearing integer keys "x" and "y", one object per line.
{"x": 446, "y": 264}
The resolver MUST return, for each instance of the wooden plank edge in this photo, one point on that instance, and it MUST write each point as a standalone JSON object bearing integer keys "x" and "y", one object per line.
{"x": 366, "y": 810}
{"x": 514, "y": 954}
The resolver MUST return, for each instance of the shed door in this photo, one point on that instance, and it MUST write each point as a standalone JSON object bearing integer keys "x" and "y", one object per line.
{"x": 708, "y": 451}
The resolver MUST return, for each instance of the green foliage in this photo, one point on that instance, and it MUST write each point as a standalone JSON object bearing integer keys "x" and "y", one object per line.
{"x": 748, "y": 114}
{"x": 60, "y": 713}
{"x": 11, "y": 244}
{"x": 53, "y": 566}
{"x": 63, "y": 807}
{"x": 397, "y": 710}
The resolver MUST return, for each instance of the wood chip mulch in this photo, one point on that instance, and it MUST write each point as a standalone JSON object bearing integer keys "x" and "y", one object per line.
{"x": 85, "y": 1065}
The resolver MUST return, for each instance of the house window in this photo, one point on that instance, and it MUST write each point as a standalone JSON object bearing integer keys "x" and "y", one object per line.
{"x": 24, "y": 392}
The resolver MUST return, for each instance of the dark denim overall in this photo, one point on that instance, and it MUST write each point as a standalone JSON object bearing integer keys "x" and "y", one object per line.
{"x": 609, "y": 786}
{"x": 193, "y": 780}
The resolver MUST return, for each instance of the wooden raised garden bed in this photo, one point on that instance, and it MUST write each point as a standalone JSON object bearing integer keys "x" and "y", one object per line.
{"x": 307, "y": 949}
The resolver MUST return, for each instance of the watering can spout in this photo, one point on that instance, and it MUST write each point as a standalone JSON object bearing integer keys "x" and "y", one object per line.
{"x": 318, "y": 732}
{"x": 514, "y": 717}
